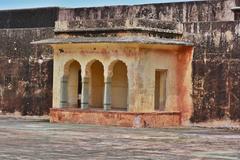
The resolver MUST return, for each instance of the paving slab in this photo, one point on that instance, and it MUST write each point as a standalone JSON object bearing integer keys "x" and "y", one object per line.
{"x": 32, "y": 139}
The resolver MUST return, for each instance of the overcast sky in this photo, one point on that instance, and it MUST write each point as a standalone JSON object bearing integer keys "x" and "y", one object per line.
{"x": 13, "y": 4}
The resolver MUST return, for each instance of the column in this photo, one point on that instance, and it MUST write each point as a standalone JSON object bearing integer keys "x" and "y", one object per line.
{"x": 63, "y": 92}
{"x": 85, "y": 92}
{"x": 107, "y": 94}
{"x": 130, "y": 76}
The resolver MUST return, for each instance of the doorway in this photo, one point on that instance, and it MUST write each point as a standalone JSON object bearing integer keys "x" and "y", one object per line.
{"x": 160, "y": 89}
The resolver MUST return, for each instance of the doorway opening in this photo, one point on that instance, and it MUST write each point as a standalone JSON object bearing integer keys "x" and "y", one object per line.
{"x": 96, "y": 85}
{"x": 73, "y": 82}
{"x": 160, "y": 89}
{"x": 119, "y": 86}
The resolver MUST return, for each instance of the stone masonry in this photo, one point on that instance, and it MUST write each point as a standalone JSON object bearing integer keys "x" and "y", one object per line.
{"x": 213, "y": 26}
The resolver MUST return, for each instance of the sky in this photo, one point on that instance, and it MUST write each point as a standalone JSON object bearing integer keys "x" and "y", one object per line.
{"x": 18, "y": 4}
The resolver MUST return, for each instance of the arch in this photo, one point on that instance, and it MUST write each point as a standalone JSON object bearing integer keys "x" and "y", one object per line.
{"x": 67, "y": 66}
{"x": 95, "y": 71}
{"x": 111, "y": 66}
{"x": 88, "y": 67}
{"x": 119, "y": 85}
{"x": 72, "y": 74}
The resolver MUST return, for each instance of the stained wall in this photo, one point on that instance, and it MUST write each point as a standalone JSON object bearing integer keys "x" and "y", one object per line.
{"x": 142, "y": 61}
{"x": 215, "y": 33}
{"x": 26, "y": 70}
{"x": 210, "y": 24}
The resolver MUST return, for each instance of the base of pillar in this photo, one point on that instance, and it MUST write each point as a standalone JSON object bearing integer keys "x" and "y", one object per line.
{"x": 115, "y": 118}
{"x": 107, "y": 107}
{"x": 85, "y": 106}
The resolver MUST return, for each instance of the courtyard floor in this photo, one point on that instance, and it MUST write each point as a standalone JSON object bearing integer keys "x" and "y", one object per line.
{"x": 29, "y": 139}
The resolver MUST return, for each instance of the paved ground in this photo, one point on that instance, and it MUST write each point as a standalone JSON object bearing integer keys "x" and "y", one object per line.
{"x": 32, "y": 139}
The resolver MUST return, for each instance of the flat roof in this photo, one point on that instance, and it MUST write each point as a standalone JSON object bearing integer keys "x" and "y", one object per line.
{"x": 141, "y": 40}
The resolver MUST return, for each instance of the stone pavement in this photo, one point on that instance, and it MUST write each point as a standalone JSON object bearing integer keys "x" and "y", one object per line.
{"x": 32, "y": 139}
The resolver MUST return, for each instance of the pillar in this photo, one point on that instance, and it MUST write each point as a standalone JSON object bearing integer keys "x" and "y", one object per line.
{"x": 85, "y": 93}
{"x": 63, "y": 92}
{"x": 130, "y": 77}
{"x": 107, "y": 94}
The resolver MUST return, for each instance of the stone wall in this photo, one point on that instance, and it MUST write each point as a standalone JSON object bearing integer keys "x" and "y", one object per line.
{"x": 216, "y": 73}
{"x": 212, "y": 10}
{"x": 28, "y": 18}
{"x": 26, "y": 70}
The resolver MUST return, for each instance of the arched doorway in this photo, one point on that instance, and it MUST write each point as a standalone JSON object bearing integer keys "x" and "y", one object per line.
{"x": 73, "y": 83}
{"x": 119, "y": 86}
{"x": 96, "y": 84}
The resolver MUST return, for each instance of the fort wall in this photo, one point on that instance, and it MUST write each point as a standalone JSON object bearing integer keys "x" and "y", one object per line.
{"x": 26, "y": 70}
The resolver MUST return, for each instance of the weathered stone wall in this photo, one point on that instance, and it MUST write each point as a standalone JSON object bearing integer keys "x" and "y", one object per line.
{"x": 212, "y": 10}
{"x": 25, "y": 69}
{"x": 216, "y": 73}
{"x": 237, "y": 2}
{"x": 26, "y": 83}
{"x": 28, "y": 18}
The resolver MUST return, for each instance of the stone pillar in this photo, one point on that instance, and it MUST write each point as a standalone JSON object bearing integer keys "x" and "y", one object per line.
{"x": 107, "y": 93}
{"x": 130, "y": 78}
{"x": 63, "y": 92}
{"x": 85, "y": 92}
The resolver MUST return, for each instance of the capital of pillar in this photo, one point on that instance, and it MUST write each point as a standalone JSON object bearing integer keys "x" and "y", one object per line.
{"x": 108, "y": 80}
{"x": 85, "y": 80}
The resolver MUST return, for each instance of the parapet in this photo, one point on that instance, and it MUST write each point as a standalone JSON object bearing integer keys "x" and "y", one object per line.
{"x": 120, "y": 27}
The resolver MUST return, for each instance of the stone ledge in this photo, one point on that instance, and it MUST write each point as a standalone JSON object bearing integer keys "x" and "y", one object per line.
{"x": 116, "y": 118}
{"x": 133, "y": 39}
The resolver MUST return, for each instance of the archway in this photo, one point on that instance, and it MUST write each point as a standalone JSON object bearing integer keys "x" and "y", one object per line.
{"x": 119, "y": 86}
{"x": 96, "y": 84}
{"x": 73, "y": 82}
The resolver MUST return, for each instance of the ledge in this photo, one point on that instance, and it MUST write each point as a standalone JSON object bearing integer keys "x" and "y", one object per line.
{"x": 72, "y": 109}
{"x": 116, "y": 118}
{"x": 118, "y": 29}
{"x": 235, "y": 8}
{"x": 140, "y": 40}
